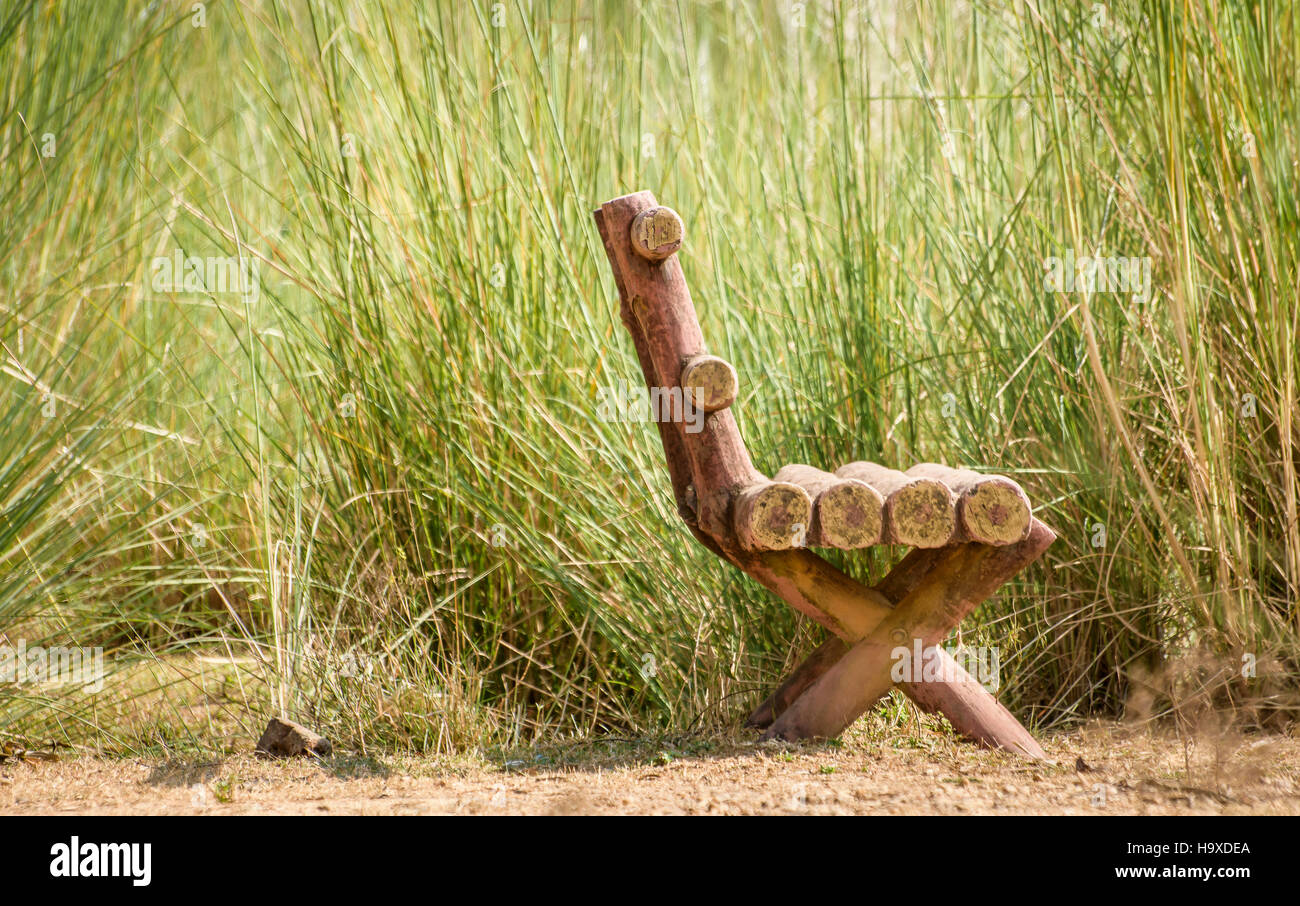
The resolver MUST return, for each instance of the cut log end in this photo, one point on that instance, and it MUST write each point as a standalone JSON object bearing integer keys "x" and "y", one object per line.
{"x": 922, "y": 513}
{"x": 710, "y": 382}
{"x": 995, "y": 511}
{"x": 991, "y": 509}
{"x": 657, "y": 233}
{"x": 847, "y": 513}
{"x": 772, "y": 516}
{"x": 850, "y": 515}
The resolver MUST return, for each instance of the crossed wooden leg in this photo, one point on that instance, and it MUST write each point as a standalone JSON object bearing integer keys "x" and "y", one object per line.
{"x": 932, "y": 591}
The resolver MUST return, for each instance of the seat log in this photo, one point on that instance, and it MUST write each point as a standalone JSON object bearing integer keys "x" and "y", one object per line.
{"x": 991, "y": 509}
{"x": 919, "y": 512}
{"x": 847, "y": 514}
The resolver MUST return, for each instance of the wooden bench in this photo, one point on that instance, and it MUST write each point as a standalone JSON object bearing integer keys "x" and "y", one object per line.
{"x": 969, "y": 532}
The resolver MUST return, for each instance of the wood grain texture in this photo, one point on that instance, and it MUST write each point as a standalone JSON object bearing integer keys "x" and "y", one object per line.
{"x": 847, "y": 514}
{"x": 711, "y": 381}
{"x": 991, "y": 509}
{"x": 657, "y": 233}
{"x": 919, "y": 512}
{"x": 772, "y": 516}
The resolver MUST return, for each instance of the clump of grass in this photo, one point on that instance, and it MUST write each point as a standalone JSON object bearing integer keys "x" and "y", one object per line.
{"x": 381, "y": 488}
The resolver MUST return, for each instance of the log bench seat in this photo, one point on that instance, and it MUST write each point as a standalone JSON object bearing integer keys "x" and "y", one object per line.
{"x": 862, "y": 504}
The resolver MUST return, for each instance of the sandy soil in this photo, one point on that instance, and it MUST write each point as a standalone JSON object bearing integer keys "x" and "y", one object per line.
{"x": 1123, "y": 771}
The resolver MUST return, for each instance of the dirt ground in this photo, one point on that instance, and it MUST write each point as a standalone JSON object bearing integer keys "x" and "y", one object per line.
{"x": 1100, "y": 770}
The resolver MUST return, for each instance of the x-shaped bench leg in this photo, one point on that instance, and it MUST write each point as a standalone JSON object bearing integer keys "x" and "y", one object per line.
{"x": 714, "y": 481}
{"x": 846, "y": 676}
{"x": 969, "y": 707}
{"x": 853, "y": 612}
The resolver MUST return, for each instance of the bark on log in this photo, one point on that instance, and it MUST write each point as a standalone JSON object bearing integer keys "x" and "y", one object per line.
{"x": 907, "y": 572}
{"x": 919, "y": 512}
{"x": 656, "y": 299}
{"x": 679, "y": 466}
{"x": 973, "y": 711}
{"x": 817, "y": 589}
{"x": 847, "y": 514}
{"x": 991, "y": 509}
{"x": 886, "y": 594}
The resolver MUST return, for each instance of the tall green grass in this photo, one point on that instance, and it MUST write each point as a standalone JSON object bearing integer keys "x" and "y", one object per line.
{"x": 381, "y": 490}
